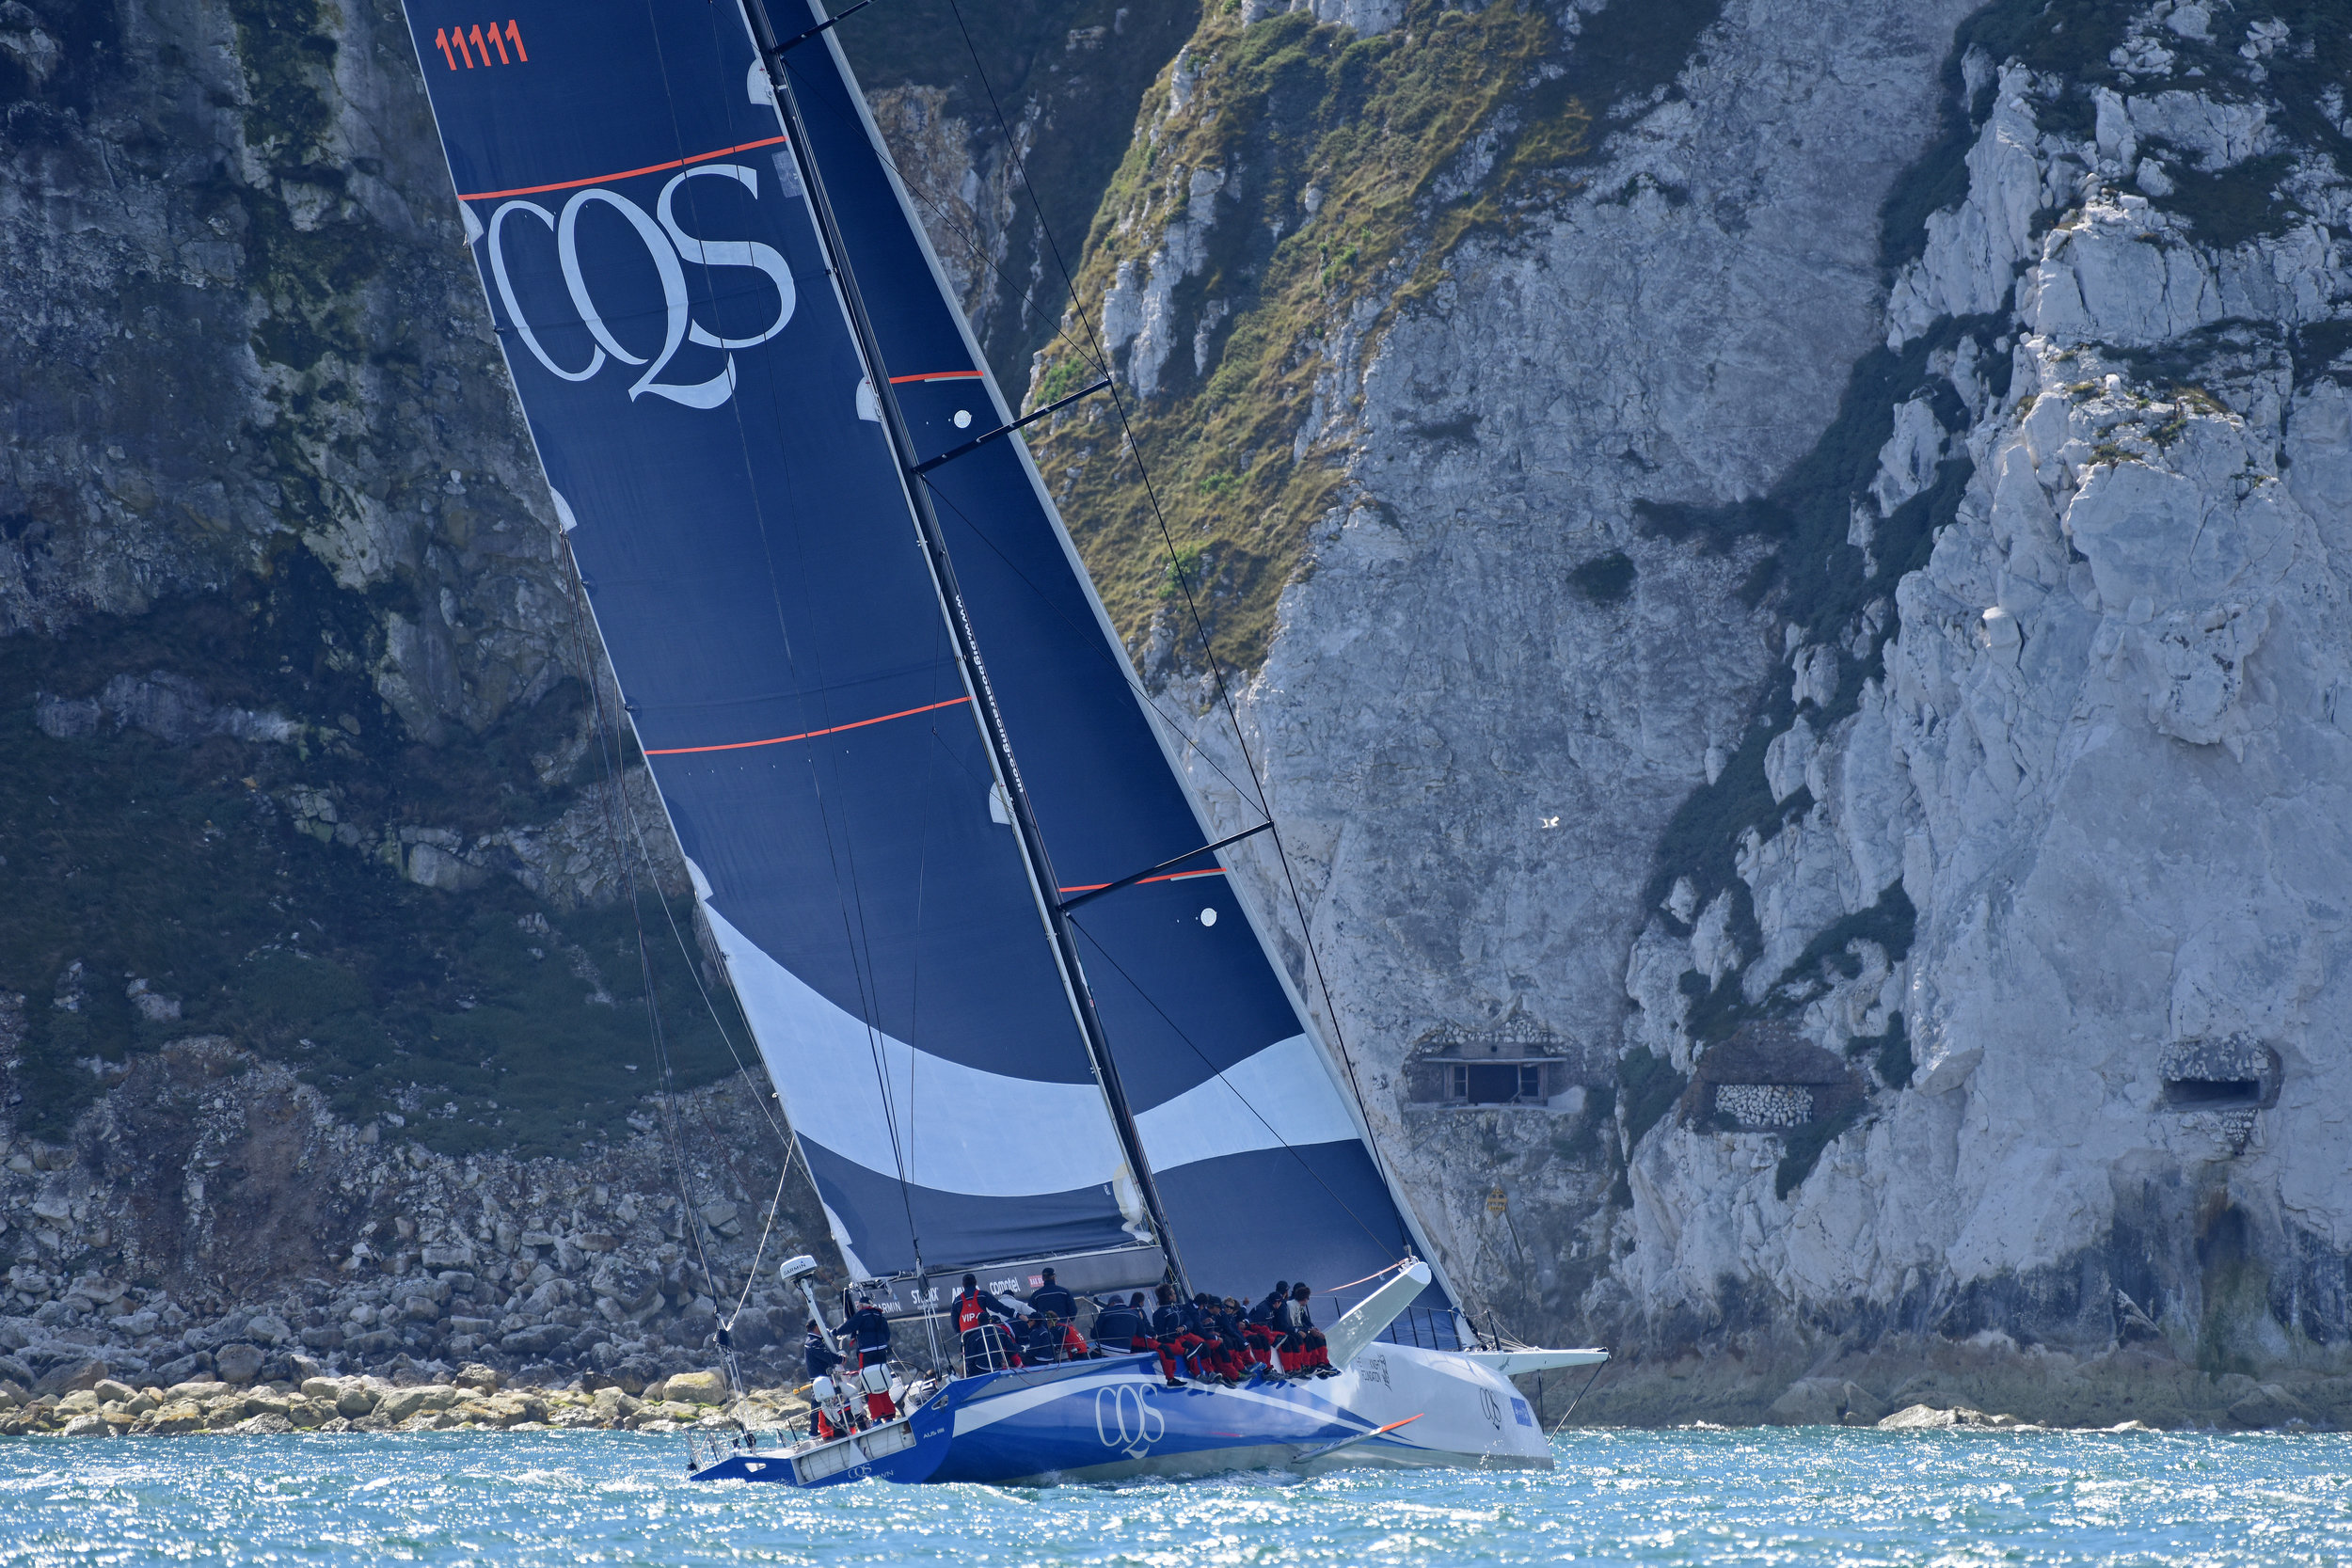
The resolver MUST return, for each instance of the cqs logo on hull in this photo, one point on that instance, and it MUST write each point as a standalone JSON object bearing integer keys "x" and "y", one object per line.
{"x": 1124, "y": 1418}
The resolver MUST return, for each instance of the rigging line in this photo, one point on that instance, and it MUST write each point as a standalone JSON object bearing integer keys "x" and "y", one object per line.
{"x": 687, "y": 955}
{"x": 686, "y": 951}
{"x": 691, "y": 960}
{"x": 1216, "y": 671}
{"x": 694, "y": 972}
{"x": 915, "y": 966}
{"x": 775, "y": 1204}
{"x": 1177, "y": 1030}
{"x": 608, "y": 744}
{"x": 1579, "y": 1397}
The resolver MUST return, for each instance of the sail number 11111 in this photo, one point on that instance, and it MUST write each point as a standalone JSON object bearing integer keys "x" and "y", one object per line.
{"x": 455, "y": 43}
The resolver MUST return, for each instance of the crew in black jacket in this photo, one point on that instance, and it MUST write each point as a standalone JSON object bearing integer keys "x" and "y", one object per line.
{"x": 1172, "y": 1327}
{"x": 1264, "y": 1312}
{"x": 1049, "y": 1297}
{"x": 1118, "y": 1322}
{"x": 818, "y": 1357}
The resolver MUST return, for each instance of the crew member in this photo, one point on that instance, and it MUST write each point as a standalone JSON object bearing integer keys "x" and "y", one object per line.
{"x": 1040, "y": 1336}
{"x": 1176, "y": 1341}
{"x": 1200, "y": 1321}
{"x": 869, "y": 1332}
{"x": 1116, "y": 1324}
{"x": 1259, "y": 1336}
{"x": 978, "y": 1313}
{"x": 1051, "y": 1340}
{"x": 1264, "y": 1312}
{"x": 1232, "y": 1348}
{"x": 1051, "y": 1297}
{"x": 833, "y": 1415}
{"x": 818, "y": 1357}
{"x": 1302, "y": 1344}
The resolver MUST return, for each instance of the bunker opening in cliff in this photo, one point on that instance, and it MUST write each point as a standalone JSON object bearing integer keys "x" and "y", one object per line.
{"x": 2206, "y": 1094}
{"x": 1498, "y": 1083}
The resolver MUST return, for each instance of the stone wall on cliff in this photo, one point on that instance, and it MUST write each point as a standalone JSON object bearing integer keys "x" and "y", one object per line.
{"x": 1815, "y": 617}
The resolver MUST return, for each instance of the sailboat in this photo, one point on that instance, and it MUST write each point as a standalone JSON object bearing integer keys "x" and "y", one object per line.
{"x": 990, "y": 959}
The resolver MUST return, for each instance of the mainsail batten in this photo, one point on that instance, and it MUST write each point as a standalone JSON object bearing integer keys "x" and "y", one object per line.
{"x": 1205, "y": 1032}
{"x": 703, "y": 416}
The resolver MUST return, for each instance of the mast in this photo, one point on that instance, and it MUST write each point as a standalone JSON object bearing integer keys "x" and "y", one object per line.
{"x": 1033, "y": 857}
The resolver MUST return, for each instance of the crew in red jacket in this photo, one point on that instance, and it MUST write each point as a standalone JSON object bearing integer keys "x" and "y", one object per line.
{"x": 978, "y": 1319}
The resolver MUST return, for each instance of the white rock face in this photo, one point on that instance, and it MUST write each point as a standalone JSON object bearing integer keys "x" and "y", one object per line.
{"x": 2086, "y": 812}
{"x": 1474, "y": 760}
{"x": 2109, "y": 761}
{"x": 1138, "y": 310}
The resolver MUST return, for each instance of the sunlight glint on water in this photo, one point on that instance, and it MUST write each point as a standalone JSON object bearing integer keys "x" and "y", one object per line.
{"x": 1805, "y": 1496}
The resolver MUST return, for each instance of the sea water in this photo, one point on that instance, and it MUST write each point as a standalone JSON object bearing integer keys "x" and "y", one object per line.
{"x": 1809, "y": 1496}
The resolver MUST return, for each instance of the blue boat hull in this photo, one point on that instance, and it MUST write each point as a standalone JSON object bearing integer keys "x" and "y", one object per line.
{"x": 1115, "y": 1419}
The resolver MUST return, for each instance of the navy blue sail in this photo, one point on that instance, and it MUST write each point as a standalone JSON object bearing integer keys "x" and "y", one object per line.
{"x": 743, "y": 527}
{"x": 1261, "y": 1169}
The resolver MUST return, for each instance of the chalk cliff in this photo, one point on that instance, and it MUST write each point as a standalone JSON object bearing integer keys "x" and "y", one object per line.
{"x": 1813, "y": 623}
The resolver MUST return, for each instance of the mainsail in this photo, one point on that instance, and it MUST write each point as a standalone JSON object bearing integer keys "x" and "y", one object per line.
{"x": 742, "y": 530}
{"x": 692, "y": 375}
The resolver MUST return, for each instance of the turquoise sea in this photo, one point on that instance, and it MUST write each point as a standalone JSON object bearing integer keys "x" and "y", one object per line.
{"x": 1813, "y": 1496}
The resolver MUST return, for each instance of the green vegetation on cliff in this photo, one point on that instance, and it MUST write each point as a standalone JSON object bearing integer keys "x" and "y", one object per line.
{"x": 1068, "y": 74}
{"x": 1324, "y": 180}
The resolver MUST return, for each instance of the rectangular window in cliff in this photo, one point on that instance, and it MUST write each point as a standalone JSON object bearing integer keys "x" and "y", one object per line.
{"x": 2233, "y": 1073}
{"x": 2212, "y": 1094}
{"x": 1497, "y": 1083}
{"x": 1517, "y": 1062}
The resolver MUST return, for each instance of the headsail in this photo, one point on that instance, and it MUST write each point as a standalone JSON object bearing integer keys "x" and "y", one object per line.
{"x": 743, "y": 530}
{"x": 1260, "y": 1162}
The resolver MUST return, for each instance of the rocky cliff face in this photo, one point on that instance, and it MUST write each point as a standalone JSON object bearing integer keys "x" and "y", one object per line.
{"x": 1811, "y": 620}
{"x": 1780, "y": 565}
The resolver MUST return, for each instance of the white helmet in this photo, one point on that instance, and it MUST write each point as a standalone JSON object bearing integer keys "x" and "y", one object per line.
{"x": 822, "y": 1388}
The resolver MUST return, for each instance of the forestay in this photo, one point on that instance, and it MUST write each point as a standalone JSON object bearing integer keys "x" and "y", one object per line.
{"x": 1260, "y": 1166}
{"x": 749, "y": 552}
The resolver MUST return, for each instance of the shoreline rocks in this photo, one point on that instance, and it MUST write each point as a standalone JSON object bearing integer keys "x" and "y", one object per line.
{"x": 411, "y": 1264}
{"x": 475, "y": 1398}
